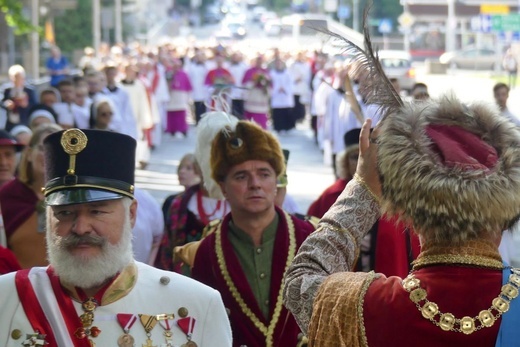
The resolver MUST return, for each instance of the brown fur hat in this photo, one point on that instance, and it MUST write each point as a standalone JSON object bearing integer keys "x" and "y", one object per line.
{"x": 450, "y": 203}
{"x": 246, "y": 142}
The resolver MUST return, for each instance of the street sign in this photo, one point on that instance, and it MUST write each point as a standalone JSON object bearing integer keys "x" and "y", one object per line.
{"x": 481, "y": 24}
{"x": 494, "y": 9}
{"x": 406, "y": 20}
{"x": 385, "y": 26}
{"x": 510, "y": 36}
{"x": 508, "y": 22}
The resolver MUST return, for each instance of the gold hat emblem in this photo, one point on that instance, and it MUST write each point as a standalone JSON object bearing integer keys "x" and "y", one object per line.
{"x": 73, "y": 142}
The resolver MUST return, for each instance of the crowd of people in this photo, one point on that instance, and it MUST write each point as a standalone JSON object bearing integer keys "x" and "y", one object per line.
{"x": 423, "y": 195}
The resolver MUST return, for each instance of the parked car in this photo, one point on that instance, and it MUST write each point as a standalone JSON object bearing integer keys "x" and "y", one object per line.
{"x": 265, "y": 17}
{"x": 237, "y": 30}
{"x": 398, "y": 64}
{"x": 273, "y": 27}
{"x": 472, "y": 58}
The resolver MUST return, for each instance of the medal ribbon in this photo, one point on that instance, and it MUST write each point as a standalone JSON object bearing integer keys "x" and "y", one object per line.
{"x": 148, "y": 322}
{"x": 165, "y": 320}
{"x": 126, "y": 321}
{"x": 187, "y": 325}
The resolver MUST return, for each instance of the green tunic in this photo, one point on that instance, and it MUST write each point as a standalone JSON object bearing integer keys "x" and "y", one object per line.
{"x": 256, "y": 262}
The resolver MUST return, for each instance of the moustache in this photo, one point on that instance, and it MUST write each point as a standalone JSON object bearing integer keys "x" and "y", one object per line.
{"x": 74, "y": 240}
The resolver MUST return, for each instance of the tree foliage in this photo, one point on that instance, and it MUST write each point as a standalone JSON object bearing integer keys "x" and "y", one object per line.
{"x": 15, "y": 18}
{"x": 73, "y": 28}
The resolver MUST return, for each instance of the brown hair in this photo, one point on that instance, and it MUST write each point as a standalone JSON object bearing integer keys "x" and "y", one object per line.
{"x": 25, "y": 169}
{"x": 500, "y": 85}
{"x": 190, "y": 158}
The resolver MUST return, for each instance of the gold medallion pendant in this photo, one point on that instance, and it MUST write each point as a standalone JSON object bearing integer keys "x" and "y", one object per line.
{"x": 125, "y": 340}
{"x": 187, "y": 325}
{"x": 126, "y": 321}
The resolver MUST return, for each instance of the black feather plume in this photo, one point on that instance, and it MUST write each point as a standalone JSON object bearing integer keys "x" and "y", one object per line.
{"x": 378, "y": 90}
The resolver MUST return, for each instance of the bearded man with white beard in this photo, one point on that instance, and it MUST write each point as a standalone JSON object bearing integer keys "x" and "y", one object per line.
{"x": 93, "y": 292}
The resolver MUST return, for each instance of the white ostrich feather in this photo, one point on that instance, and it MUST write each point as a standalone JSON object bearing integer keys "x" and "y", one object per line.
{"x": 209, "y": 126}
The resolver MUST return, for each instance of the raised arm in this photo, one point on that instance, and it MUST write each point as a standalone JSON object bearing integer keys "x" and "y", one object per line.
{"x": 334, "y": 246}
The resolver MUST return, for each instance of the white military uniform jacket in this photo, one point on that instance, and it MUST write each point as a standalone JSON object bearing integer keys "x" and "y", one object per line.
{"x": 155, "y": 292}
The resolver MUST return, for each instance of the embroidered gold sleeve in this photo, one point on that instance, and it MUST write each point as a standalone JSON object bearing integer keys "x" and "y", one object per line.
{"x": 332, "y": 248}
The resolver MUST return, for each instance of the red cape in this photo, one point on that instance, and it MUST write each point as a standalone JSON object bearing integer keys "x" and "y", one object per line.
{"x": 8, "y": 262}
{"x": 18, "y": 203}
{"x": 392, "y": 319}
{"x": 207, "y": 271}
{"x": 396, "y": 246}
{"x": 327, "y": 198}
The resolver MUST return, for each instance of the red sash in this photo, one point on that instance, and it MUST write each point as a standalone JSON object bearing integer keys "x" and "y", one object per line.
{"x": 67, "y": 309}
{"x": 36, "y": 314}
{"x": 32, "y": 307}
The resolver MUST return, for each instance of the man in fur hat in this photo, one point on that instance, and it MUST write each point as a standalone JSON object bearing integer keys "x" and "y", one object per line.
{"x": 452, "y": 172}
{"x": 246, "y": 255}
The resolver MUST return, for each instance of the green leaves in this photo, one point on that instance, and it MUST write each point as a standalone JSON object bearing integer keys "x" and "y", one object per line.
{"x": 15, "y": 17}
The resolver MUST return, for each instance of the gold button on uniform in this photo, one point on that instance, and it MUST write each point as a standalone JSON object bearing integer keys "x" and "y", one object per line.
{"x": 259, "y": 250}
{"x": 183, "y": 312}
{"x": 266, "y": 303}
{"x": 16, "y": 334}
{"x": 262, "y": 275}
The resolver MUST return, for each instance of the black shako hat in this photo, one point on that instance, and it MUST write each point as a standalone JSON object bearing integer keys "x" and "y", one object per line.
{"x": 351, "y": 137}
{"x": 88, "y": 165}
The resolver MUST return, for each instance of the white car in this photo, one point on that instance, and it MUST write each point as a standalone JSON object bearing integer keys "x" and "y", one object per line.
{"x": 472, "y": 58}
{"x": 398, "y": 64}
{"x": 273, "y": 27}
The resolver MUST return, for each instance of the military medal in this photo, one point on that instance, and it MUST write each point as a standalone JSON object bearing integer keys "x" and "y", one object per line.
{"x": 148, "y": 323}
{"x": 87, "y": 318}
{"x": 35, "y": 339}
{"x": 126, "y": 321}
{"x": 187, "y": 325}
{"x": 166, "y": 321}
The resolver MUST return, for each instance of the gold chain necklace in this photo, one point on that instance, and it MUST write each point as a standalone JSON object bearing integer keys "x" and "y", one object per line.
{"x": 466, "y": 324}
{"x": 268, "y": 331}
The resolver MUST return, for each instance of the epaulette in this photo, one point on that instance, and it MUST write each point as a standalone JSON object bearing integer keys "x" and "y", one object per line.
{"x": 211, "y": 227}
{"x": 311, "y": 219}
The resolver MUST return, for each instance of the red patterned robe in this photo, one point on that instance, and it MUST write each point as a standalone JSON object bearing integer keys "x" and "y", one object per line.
{"x": 206, "y": 269}
{"x": 342, "y": 308}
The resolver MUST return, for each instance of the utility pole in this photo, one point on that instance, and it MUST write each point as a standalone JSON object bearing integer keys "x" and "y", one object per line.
{"x": 451, "y": 27}
{"x": 96, "y": 25}
{"x": 35, "y": 40}
{"x": 119, "y": 21}
{"x": 355, "y": 15}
